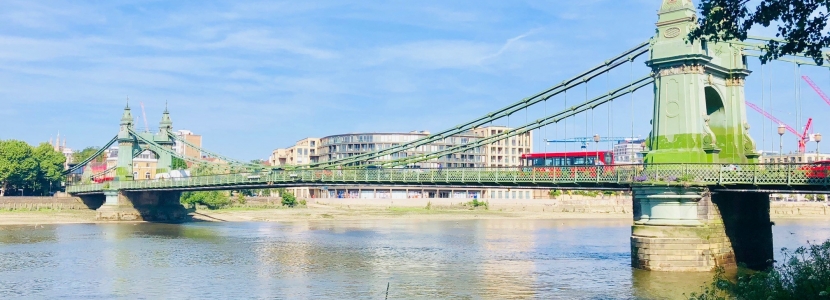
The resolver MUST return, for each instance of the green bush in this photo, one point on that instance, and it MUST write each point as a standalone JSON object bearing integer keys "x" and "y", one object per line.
{"x": 211, "y": 199}
{"x": 475, "y": 203}
{"x": 555, "y": 193}
{"x": 288, "y": 199}
{"x": 240, "y": 198}
{"x": 804, "y": 274}
{"x": 303, "y": 202}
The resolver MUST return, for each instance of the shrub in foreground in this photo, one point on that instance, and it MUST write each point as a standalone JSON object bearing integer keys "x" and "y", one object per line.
{"x": 802, "y": 274}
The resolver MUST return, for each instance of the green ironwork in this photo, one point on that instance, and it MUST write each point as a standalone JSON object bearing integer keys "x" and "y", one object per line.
{"x": 624, "y": 176}
{"x": 92, "y": 157}
{"x": 553, "y": 118}
{"x": 699, "y": 112}
{"x": 213, "y": 154}
{"x": 608, "y": 65}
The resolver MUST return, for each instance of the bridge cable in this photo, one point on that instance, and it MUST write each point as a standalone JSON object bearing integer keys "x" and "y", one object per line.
{"x": 771, "y": 122}
{"x": 565, "y": 134}
{"x": 631, "y": 70}
{"x": 565, "y": 85}
{"x": 586, "y": 115}
{"x": 764, "y": 106}
{"x": 560, "y": 116}
{"x": 92, "y": 157}
{"x": 609, "y": 131}
{"x": 213, "y": 154}
{"x": 172, "y": 153}
{"x": 796, "y": 69}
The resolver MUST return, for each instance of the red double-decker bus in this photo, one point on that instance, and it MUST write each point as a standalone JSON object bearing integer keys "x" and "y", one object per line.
{"x": 567, "y": 159}
{"x": 569, "y": 164}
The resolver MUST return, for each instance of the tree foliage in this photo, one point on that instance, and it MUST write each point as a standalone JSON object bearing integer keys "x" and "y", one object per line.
{"x": 288, "y": 199}
{"x": 211, "y": 199}
{"x": 800, "y": 29}
{"x": 34, "y": 170}
{"x": 178, "y": 164}
{"x": 82, "y": 155}
{"x": 803, "y": 274}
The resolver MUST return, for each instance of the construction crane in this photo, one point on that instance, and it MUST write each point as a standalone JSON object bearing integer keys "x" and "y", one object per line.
{"x": 586, "y": 140}
{"x": 143, "y": 114}
{"x": 816, "y": 88}
{"x": 803, "y": 138}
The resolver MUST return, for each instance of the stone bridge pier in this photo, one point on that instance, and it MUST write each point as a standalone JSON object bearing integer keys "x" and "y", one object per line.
{"x": 141, "y": 206}
{"x": 694, "y": 229}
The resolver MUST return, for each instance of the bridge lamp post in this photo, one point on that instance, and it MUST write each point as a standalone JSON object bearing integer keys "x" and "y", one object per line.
{"x": 596, "y": 149}
{"x": 781, "y": 129}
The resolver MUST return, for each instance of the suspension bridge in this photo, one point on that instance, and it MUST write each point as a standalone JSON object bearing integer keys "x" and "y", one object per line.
{"x": 700, "y": 198}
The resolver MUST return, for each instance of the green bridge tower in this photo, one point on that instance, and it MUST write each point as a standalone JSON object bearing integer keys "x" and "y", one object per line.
{"x": 130, "y": 145}
{"x": 699, "y": 117}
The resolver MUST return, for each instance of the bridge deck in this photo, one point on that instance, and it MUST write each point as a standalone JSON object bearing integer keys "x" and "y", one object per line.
{"x": 755, "y": 177}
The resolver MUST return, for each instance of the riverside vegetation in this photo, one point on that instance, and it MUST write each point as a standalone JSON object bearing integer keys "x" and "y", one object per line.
{"x": 35, "y": 171}
{"x": 222, "y": 199}
{"x": 803, "y": 274}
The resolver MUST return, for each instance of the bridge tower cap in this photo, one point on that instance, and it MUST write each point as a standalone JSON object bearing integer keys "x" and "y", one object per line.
{"x": 127, "y": 116}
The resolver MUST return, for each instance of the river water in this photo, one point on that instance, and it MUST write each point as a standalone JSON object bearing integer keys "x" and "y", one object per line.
{"x": 418, "y": 259}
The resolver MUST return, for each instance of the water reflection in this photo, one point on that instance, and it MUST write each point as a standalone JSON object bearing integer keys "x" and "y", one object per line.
{"x": 491, "y": 259}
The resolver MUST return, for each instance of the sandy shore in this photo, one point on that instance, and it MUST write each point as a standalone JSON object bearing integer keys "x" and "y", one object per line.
{"x": 36, "y": 217}
{"x": 365, "y": 211}
{"x": 312, "y": 212}
{"x": 321, "y": 211}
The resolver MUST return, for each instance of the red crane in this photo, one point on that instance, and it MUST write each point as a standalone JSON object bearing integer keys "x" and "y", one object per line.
{"x": 802, "y": 138}
{"x": 816, "y": 88}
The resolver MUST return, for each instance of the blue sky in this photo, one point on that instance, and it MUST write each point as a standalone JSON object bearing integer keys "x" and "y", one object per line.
{"x": 254, "y": 76}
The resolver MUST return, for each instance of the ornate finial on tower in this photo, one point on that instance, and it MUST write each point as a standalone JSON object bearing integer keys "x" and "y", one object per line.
{"x": 127, "y": 117}
{"x": 166, "y": 123}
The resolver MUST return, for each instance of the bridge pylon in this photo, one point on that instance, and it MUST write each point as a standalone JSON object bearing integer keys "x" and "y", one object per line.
{"x": 162, "y": 138}
{"x": 699, "y": 117}
{"x": 126, "y": 146}
{"x": 699, "y": 112}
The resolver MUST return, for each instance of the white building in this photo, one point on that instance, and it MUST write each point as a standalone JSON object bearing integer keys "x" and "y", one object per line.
{"x": 629, "y": 151}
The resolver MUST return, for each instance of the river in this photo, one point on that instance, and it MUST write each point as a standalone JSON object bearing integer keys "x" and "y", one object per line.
{"x": 334, "y": 259}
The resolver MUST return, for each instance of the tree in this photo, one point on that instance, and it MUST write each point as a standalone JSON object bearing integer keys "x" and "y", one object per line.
{"x": 50, "y": 168}
{"x": 288, "y": 199}
{"x": 178, "y": 164}
{"x": 82, "y": 155}
{"x": 17, "y": 166}
{"x": 799, "y": 31}
{"x": 211, "y": 199}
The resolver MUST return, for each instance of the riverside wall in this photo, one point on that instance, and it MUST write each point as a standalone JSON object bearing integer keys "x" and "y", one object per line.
{"x": 40, "y": 203}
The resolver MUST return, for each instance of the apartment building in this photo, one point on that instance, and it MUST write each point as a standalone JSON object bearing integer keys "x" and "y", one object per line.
{"x": 507, "y": 152}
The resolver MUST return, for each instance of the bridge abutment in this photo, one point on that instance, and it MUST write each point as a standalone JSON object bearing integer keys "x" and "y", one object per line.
{"x": 684, "y": 229}
{"x": 142, "y": 206}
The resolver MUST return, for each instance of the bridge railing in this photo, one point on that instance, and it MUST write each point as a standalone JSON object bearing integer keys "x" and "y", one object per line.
{"x": 699, "y": 174}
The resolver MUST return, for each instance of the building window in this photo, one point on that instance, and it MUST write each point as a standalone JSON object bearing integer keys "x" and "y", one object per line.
{"x": 527, "y": 194}
{"x": 147, "y": 175}
{"x": 135, "y": 175}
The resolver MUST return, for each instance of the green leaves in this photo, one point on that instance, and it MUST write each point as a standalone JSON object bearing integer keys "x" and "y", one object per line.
{"x": 803, "y": 274}
{"x": 35, "y": 170}
{"x": 211, "y": 199}
{"x": 178, "y": 164}
{"x": 801, "y": 23}
{"x": 82, "y": 155}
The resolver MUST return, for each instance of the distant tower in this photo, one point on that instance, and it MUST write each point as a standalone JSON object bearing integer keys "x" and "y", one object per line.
{"x": 126, "y": 146}
{"x": 165, "y": 159}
